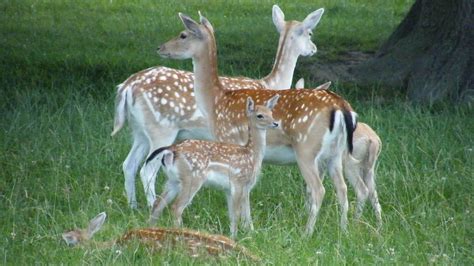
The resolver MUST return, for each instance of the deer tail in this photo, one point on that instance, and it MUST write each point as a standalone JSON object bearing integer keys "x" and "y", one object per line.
{"x": 120, "y": 108}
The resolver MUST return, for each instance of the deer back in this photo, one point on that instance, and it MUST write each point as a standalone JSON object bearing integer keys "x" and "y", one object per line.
{"x": 296, "y": 110}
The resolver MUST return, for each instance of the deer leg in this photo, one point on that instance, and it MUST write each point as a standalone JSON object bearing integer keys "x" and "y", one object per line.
{"x": 315, "y": 187}
{"x": 130, "y": 166}
{"x": 160, "y": 137}
{"x": 172, "y": 188}
{"x": 247, "y": 216}
{"x": 307, "y": 200}
{"x": 335, "y": 171}
{"x": 352, "y": 173}
{"x": 230, "y": 205}
{"x": 237, "y": 198}
{"x": 320, "y": 167}
{"x": 189, "y": 188}
{"x": 369, "y": 180}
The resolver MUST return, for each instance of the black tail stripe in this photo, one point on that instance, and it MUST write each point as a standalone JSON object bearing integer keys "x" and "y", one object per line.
{"x": 350, "y": 127}
{"x": 155, "y": 153}
{"x": 331, "y": 120}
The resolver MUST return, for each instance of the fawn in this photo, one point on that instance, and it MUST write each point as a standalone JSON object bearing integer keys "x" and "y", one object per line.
{"x": 232, "y": 167}
{"x": 160, "y": 237}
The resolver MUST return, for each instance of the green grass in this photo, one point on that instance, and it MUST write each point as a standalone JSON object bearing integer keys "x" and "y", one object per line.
{"x": 60, "y": 61}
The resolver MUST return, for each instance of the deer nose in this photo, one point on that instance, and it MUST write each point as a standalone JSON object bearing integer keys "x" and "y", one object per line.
{"x": 275, "y": 124}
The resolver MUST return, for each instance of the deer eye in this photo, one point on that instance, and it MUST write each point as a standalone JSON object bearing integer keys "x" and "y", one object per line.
{"x": 260, "y": 116}
{"x": 310, "y": 34}
{"x": 183, "y": 35}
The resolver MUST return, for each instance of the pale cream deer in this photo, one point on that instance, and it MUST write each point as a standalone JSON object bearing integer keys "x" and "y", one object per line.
{"x": 316, "y": 125}
{"x": 160, "y": 104}
{"x": 367, "y": 148}
{"x": 359, "y": 167}
{"x": 231, "y": 167}
{"x": 157, "y": 238}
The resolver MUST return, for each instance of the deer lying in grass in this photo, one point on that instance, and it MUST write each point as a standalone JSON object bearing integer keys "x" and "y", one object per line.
{"x": 359, "y": 167}
{"x": 160, "y": 105}
{"x": 316, "y": 125}
{"x": 234, "y": 168}
{"x": 194, "y": 241}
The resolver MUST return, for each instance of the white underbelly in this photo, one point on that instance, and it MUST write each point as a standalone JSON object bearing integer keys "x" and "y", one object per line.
{"x": 218, "y": 175}
{"x": 194, "y": 133}
{"x": 283, "y": 154}
{"x": 218, "y": 180}
{"x": 279, "y": 155}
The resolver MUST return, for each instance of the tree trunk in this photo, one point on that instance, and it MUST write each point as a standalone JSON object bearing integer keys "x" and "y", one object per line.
{"x": 430, "y": 53}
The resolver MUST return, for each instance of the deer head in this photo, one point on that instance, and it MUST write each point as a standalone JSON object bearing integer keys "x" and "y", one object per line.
{"x": 262, "y": 115}
{"x": 188, "y": 42}
{"x": 299, "y": 32}
{"x": 77, "y": 236}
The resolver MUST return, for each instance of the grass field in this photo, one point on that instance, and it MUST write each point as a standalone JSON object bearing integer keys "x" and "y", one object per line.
{"x": 60, "y": 62}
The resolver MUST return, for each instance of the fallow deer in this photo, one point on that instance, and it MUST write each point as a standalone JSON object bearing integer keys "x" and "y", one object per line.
{"x": 367, "y": 148}
{"x": 193, "y": 241}
{"x": 359, "y": 167}
{"x": 160, "y": 104}
{"x": 316, "y": 125}
{"x": 234, "y": 168}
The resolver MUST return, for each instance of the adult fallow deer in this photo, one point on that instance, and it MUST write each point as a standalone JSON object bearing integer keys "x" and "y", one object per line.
{"x": 359, "y": 167}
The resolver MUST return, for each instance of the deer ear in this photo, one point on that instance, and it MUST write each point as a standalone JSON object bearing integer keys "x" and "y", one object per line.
{"x": 191, "y": 25}
{"x": 278, "y": 18}
{"x": 312, "y": 19}
{"x": 250, "y": 106}
{"x": 300, "y": 84}
{"x": 95, "y": 224}
{"x": 204, "y": 21}
{"x": 324, "y": 86}
{"x": 272, "y": 102}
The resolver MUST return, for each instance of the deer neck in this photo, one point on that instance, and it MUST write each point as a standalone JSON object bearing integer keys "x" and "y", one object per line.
{"x": 207, "y": 87}
{"x": 281, "y": 75}
{"x": 256, "y": 142}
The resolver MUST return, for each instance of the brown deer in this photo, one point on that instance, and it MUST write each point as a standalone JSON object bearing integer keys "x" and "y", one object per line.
{"x": 359, "y": 167}
{"x": 316, "y": 125}
{"x": 194, "y": 241}
{"x": 160, "y": 105}
{"x": 231, "y": 167}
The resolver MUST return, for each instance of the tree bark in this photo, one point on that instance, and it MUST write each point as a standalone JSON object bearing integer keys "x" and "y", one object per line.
{"x": 430, "y": 54}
